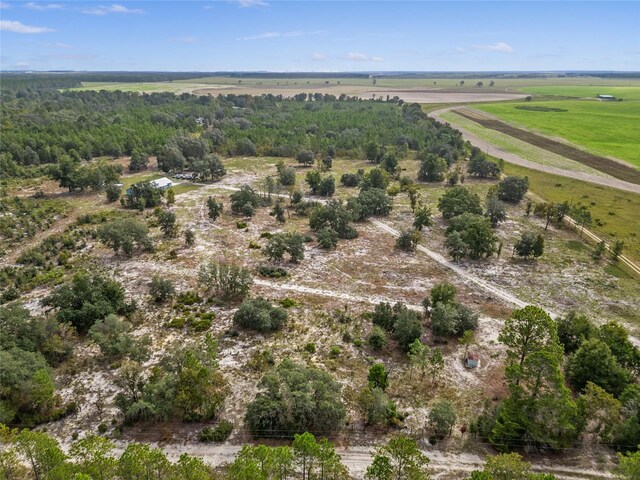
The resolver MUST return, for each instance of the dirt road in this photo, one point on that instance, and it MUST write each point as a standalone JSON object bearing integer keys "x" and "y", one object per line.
{"x": 491, "y": 149}
{"x": 358, "y": 458}
{"x": 492, "y": 289}
{"x": 372, "y": 299}
{"x": 516, "y": 159}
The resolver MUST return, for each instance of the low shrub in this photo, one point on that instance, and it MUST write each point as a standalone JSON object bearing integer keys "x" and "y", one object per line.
{"x": 271, "y": 272}
{"x": 218, "y": 434}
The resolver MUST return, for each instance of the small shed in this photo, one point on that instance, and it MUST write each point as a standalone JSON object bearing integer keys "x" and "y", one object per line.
{"x": 607, "y": 98}
{"x": 162, "y": 183}
{"x": 472, "y": 360}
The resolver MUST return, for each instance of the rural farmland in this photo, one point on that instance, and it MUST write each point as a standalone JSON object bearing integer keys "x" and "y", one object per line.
{"x": 256, "y": 240}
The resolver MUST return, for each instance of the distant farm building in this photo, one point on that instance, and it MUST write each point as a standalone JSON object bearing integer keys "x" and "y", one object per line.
{"x": 162, "y": 183}
{"x": 606, "y": 98}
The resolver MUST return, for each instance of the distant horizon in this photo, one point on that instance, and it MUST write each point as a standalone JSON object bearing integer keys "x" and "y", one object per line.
{"x": 342, "y": 72}
{"x": 319, "y": 36}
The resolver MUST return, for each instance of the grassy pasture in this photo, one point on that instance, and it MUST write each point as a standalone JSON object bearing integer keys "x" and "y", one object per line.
{"x": 352, "y": 86}
{"x": 616, "y": 213}
{"x": 604, "y": 128}
{"x": 582, "y": 91}
{"x": 525, "y": 150}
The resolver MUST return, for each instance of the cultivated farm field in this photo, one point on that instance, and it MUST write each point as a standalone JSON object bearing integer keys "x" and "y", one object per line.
{"x": 604, "y": 128}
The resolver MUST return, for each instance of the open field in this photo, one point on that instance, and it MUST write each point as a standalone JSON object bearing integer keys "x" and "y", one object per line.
{"x": 616, "y": 213}
{"x": 329, "y": 294}
{"x": 519, "y": 147}
{"x": 614, "y": 168}
{"x": 421, "y": 90}
{"x": 585, "y": 91}
{"x": 501, "y": 83}
{"x": 432, "y": 94}
{"x": 604, "y": 128}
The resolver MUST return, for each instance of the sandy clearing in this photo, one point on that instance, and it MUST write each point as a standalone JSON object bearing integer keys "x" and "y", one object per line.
{"x": 494, "y": 290}
{"x": 374, "y": 299}
{"x": 505, "y": 296}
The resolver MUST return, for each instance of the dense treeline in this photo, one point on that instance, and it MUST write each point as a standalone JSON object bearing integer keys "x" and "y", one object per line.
{"x": 600, "y": 364}
{"x": 21, "y": 81}
{"x": 44, "y": 126}
{"x": 28, "y": 454}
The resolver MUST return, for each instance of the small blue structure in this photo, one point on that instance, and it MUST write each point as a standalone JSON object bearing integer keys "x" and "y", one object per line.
{"x": 472, "y": 361}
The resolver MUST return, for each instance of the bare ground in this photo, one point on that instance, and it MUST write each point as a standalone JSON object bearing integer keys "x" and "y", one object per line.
{"x": 351, "y": 278}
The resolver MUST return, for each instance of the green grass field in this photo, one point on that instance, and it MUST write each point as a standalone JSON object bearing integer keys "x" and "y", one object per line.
{"x": 616, "y": 213}
{"x": 604, "y": 128}
{"x": 582, "y": 91}
{"x": 519, "y": 147}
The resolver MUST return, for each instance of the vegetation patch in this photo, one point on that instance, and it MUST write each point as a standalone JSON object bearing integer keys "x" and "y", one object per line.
{"x": 538, "y": 108}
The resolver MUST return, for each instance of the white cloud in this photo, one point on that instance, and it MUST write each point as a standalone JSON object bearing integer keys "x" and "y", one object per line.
{"x": 361, "y": 57}
{"x": 17, "y": 27}
{"x": 250, "y": 3}
{"x": 318, "y": 57}
{"x": 22, "y": 66}
{"x": 496, "y": 47}
{"x": 357, "y": 57}
{"x": 4, "y": 6}
{"x": 115, "y": 8}
{"x": 43, "y": 6}
{"x": 294, "y": 33}
{"x": 58, "y": 45}
{"x": 187, "y": 39}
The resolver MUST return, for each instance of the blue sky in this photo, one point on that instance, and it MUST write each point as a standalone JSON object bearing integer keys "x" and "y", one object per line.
{"x": 273, "y": 35}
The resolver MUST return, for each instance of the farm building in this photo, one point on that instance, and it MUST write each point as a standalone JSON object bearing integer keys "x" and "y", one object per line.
{"x": 162, "y": 183}
{"x": 472, "y": 360}
{"x": 606, "y": 98}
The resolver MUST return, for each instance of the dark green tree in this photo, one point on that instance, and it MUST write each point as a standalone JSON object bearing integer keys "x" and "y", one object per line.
{"x": 86, "y": 300}
{"x": 214, "y": 208}
{"x": 432, "y": 168}
{"x": 496, "y": 211}
{"x": 512, "y": 188}
{"x": 294, "y": 399}
{"x": 459, "y": 200}
{"x": 378, "y": 377}
{"x": 139, "y": 161}
{"x": 258, "y": 314}
{"x": 529, "y": 245}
